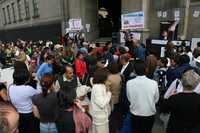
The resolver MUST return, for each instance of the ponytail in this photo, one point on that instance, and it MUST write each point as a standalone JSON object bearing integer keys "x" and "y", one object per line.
{"x": 44, "y": 91}
{"x": 46, "y": 83}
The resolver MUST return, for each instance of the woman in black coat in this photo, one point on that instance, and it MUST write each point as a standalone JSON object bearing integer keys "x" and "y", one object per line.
{"x": 184, "y": 107}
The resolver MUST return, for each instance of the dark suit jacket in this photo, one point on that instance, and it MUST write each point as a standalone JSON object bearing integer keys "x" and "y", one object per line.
{"x": 128, "y": 71}
{"x": 123, "y": 98}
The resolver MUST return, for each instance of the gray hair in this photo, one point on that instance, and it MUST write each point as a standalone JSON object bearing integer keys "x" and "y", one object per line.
{"x": 190, "y": 80}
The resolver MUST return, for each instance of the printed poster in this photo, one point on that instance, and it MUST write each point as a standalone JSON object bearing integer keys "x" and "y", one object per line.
{"x": 133, "y": 20}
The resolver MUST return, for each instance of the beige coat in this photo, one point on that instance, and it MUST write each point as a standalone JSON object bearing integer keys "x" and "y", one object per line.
{"x": 115, "y": 87}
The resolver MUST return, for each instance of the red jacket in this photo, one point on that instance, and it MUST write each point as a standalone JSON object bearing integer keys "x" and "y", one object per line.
{"x": 81, "y": 68}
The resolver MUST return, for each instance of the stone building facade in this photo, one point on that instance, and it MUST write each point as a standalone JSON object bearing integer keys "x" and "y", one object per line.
{"x": 44, "y": 19}
{"x": 193, "y": 30}
{"x": 188, "y": 26}
{"x": 29, "y": 19}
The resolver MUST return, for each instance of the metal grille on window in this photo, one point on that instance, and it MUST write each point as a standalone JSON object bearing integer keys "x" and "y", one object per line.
{"x": 4, "y": 16}
{"x": 27, "y": 11}
{"x": 13, "y": 12}
{"x": 8, "y": 13}
{"x": 35, "y": 8}
{"x": 19, "y": 10}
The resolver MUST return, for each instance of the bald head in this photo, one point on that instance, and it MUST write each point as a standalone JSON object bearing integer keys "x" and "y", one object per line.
{"x": 8, "y": 118}
{"x": 69, "y": 72}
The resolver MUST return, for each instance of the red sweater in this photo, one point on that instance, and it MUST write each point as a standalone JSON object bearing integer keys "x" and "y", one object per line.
{"x": 81, "y": 68}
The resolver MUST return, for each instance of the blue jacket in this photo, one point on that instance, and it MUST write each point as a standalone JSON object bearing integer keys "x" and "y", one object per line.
{"x": 178, "y": 71}
{"x": 140, "y": 52}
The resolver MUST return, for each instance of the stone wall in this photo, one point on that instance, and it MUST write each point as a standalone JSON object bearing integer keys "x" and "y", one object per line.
{"x": 49, "y": 12}
{"x": 194, "y": 23}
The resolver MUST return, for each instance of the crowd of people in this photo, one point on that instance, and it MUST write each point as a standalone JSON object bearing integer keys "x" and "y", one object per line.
{"x": 67, "y": 88}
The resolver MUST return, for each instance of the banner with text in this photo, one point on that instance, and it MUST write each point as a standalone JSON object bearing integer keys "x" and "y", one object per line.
{"x": 75, "y": 24}
{"x": 133, "y": 20}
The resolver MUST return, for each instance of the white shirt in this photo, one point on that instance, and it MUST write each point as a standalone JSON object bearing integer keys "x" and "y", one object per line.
{"x": 191, "y": 57}
{"x": 143, "y": 94}
{"x": 172, "y": 88}
{"x": 17, "y": 53}
{"x": 124, "y": 67}
{"x": 20, "y": 96}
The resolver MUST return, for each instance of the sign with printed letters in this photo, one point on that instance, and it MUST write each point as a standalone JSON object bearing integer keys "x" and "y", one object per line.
{"x": 133, "y": 20}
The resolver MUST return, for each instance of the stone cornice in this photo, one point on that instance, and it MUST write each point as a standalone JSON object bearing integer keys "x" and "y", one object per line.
{"x": 195, "y": 3}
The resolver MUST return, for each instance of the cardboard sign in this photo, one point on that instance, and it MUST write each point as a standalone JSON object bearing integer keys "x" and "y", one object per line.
{"x": 75, "y": 24}
{"x": 159, "y": 14}
{"x": 164, "y": 14}
{"x": 87, "y": 26}
{"x": 196, "y": 14}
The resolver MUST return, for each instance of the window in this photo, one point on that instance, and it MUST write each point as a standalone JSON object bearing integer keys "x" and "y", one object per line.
{"x": 13, "y": 12}
{"x": 4, "y": 16}
{"x": 19, "y": 10}
{"x": 27, "y": 11}
{"x": 35, "y": 9}
{"x": 8, "y": 13}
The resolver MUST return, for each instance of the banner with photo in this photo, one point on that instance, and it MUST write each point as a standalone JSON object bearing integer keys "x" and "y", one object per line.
{"x": 133, "y": 20}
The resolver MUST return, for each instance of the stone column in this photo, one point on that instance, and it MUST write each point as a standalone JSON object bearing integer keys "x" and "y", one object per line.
{"x": 146, "y": 10}
{"x": 65, "y": 15}
{"x": 186, "y": 19}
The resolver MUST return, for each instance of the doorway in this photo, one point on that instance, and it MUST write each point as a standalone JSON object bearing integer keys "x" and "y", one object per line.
{"x": 109, "y": 17}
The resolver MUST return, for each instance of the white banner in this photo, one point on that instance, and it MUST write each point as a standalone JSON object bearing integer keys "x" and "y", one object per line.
{"x": 133, "y": 20}
{"x": 6, "y": 75}
{"x": 75, "y": 24}
{"x": 136, "y": 35}
{"x": 87, "y": 26}
{"x": 194, "y": 43}
{"x": 164, "y": 14}
{"x": 196, "y": 14}
{"x": 159, "y": 14}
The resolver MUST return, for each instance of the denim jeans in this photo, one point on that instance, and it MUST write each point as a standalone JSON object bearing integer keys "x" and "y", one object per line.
{"x": 48, "y": 128}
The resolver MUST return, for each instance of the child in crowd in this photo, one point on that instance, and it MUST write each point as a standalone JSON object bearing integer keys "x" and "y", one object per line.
{"x": 160, "y": 74}
{"x": 81, "y": 93}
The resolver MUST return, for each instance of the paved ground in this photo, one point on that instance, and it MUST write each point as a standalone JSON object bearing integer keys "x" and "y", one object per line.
{"x": 116, "y": 123}
{"x": 158, "y": 127}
